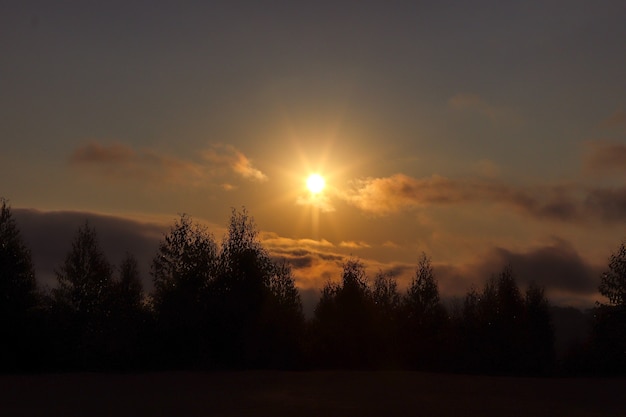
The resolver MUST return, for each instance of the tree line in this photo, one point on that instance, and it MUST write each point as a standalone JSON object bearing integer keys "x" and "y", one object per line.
{"x": 231, "y": 306}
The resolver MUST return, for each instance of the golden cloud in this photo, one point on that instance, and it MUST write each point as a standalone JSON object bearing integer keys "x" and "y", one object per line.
{"x": 354, "y": 245}
{"x": 228, "y": 156}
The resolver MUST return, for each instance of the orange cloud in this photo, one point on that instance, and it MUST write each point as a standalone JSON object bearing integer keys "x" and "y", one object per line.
{"x": 354, "y": 245}
{"x": 273, "y": 240}
{"x": 313, "y": 261}
{"x": 228, "y": 156}
{"x": 571, "y": 203}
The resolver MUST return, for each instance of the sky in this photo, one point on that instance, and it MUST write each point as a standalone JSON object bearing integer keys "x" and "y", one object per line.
{"x": 482, "y": 133}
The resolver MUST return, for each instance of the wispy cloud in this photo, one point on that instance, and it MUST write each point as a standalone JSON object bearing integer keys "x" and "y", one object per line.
{"x": 604, "y": 157}
{"x": 229, "y": 156}
{"x": 273, "y": 240}
{"x": 568, "y": 203}
{"x": 354, "y": 245}
{"x": 475, "y": 103}
{"x": 118, "y": 161}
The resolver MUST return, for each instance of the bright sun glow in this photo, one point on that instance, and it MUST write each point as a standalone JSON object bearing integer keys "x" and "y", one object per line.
{"x": 315, "y": 183}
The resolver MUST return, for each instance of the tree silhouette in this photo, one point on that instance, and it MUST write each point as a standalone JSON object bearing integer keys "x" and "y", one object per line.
{"x": 501, "y": 311}
{"x": 233, "y": 306}
{"x": 18, "y": 295}
{"x": 183, "y": 269}
{"x": 609, "y": 329}
{"x": 258, "y": 310}
{"x": 509, "y": 321}
{"x": 387, "y": 303}
{"x": 83, "y": 302}
{"x": 539, "y": 337}
{"x": 385, "y": 293}
{"x": 286, "y": 319}
{"x": 613, "y": 282}
{"x": 84, "y": 279}
{"x": 424, "y": 318}
{"x": 500, "y": 331}
{"x": 469, "y": 329}
{"x": 344, "y": 319}
{"x": 128, "y": 317}
{"x": 128, "y": 288}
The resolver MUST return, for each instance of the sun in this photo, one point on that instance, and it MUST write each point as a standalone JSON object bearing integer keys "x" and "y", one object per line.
{"x": 315, "y": 183}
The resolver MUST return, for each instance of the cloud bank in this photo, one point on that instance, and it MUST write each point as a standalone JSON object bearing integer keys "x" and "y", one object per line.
{"x": 569, "y": 279}
{"x": 49, "y": 235}
{"x": 567, "y": 203}
{"x": 567, "y": 276}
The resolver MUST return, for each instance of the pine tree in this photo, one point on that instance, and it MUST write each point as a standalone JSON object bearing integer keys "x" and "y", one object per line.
{"x": 424, "y": 319}
{"x": 18, "y": 294}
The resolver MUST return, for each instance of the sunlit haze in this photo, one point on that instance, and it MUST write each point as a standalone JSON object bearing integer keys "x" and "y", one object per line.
{"x": 481, "y": 133}
{"x": 315, "y": 183}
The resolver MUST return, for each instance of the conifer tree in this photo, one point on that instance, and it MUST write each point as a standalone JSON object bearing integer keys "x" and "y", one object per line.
{"x": 18, "y": 293}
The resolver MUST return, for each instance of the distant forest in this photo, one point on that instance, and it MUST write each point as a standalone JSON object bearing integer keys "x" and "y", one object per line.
{"x": 231, "y": 306}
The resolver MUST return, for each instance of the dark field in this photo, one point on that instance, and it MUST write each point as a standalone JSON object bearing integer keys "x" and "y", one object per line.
{"x": 307, "y": 394}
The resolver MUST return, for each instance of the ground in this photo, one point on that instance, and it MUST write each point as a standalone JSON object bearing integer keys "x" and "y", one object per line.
{"x": 307, "y": 394}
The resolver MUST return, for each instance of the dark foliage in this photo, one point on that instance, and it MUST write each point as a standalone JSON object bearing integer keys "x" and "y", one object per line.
{"x": 230, "y": 306}
{"x": 129, "y": 318}
{"x": 82, "y": 305}
{"x": 613, "y": 283}
{"x": 539, "y": 338}
{"x": 499, "y": 331}
{"x": 608, "y": 349}
{"x": 257, "y": 313}
{"x": 424, "y": 320}
{"x": 183, "y": 270}
{"x": 343, "y": 322}
{"x": 18, "y": 297}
